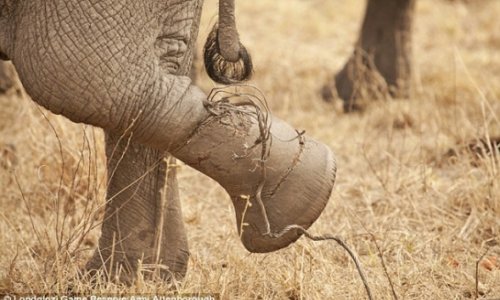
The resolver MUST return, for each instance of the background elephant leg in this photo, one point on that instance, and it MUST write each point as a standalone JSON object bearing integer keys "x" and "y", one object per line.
{"x": 143, "y": 219}
{"x": 381, "y": 64}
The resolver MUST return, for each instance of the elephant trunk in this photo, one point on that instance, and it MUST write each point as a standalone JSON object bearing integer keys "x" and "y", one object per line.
{"x": 275, "y": 176}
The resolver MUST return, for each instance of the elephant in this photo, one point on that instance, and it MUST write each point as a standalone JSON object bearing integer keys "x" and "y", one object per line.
{"x": 122, "y": 65}
{"x": 381, "y": 63}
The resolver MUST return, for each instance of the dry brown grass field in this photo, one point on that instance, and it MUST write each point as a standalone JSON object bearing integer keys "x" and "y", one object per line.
{"x": 407, "y": 177}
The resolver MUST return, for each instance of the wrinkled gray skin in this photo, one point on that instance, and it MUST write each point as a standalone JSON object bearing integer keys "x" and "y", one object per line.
{"x": 119, "y": 58}
{"x": 121, "y": 65}
{"x": 111, "y": 64}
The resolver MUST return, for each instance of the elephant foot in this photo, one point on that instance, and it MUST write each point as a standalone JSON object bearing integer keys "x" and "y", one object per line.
{"x": 357, "y": 84}
{"x": 124, "y": 268}
{"x": 140, "y": 253}
{"x": 341, "y": 88}
{"x": 328, "y": 92}
{"x": 113, "y": 268}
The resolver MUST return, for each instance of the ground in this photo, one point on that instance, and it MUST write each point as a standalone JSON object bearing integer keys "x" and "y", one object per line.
{"x": 410, "y": 187}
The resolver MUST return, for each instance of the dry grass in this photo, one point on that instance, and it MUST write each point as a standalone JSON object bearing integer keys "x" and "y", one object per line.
{"x": 432, "y": 213}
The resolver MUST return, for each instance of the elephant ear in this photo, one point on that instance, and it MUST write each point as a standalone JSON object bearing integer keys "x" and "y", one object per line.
{"x": 226, "y": 60}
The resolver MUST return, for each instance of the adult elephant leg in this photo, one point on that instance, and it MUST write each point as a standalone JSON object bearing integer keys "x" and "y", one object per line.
{"x": 143, "y": 219}
{"x": 381, "y": 64}
{"x": 143, "y": 187}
